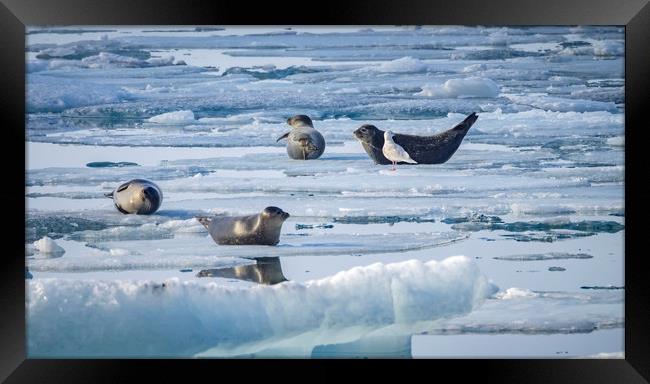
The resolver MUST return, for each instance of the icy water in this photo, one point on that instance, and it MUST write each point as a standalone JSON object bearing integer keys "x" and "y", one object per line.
{"x": 516, "y": 241}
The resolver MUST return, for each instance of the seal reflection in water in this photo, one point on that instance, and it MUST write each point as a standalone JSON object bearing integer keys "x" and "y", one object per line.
{"x": 435, "y": 149}
{"x": 303, "y": 141}
{"x": 260, "y": 229}
{"x": 266, "y": 270}
{"x": 139, "y": 196}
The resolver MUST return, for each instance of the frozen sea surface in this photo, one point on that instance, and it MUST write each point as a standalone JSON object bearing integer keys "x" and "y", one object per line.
{"x": 533, "y": 198}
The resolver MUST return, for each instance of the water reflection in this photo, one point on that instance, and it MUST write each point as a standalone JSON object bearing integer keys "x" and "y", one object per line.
{"x": 267, "y": 270}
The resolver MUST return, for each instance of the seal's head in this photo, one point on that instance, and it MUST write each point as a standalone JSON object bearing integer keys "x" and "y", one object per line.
{"x": 300, "y": 120}
{"x": 137, "y": 196}
{"x": 275, "y": 214}
{"x": 150, "y": 199}
{"x": 366, "y": 133}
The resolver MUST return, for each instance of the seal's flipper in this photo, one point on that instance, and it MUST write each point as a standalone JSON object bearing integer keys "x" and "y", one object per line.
{"x": 283, "y": 137}
{"x": 109, "y": 195}
{"x": 121, "y": 209}
{"x": 467, "y": 123}
{"x": 204, "y": 220}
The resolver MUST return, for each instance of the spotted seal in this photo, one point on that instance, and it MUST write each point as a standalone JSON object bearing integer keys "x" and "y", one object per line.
{"x": 303, "y": 141}
{"x": 435, "y": 149}
{"x": 260, "y": 229}
{"x": 139, "y": 196}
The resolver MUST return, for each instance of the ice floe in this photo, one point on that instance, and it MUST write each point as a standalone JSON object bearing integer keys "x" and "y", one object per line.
{"x": 126, "y": 318}
{"x": 115, "y": 249}
{"x": 48, "y": 246}
{"x": 465, "y": 87}
{"x": 178, "y": 117}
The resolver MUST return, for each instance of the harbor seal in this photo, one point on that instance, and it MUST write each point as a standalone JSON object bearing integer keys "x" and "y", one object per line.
{"x": 139, "y": 196}
{"x": 435, "y": 149}
{"x": 303, "y": 141}
{"x": 260, "y": 229}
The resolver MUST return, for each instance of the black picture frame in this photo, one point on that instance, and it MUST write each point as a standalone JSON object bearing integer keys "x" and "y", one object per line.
{"x": 16, "y": 14}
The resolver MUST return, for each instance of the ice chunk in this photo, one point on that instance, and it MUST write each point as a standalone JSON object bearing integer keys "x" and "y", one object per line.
{"x": 467, "y": 87}
{"x": 160, "y": 61}
{"x": 598, "y": 48}
{"x": 560, "y": 104}
{"x": 518, "y": 310}
{"x": 271, "y": 73}
{"x": 159, "y": 229}
{"x": 177, "y": 117}
{"x": 126, "y": 259}
{"x": 499, "y": 37}
{"x": 473, "y": 218}
{"x": 118, "y": 252}
{"x": 48, "y": 246}
{"x": 474, "y": 68}
{"x": 514, "y": 292}
{"x": 616, "y": 141}
{"x": 106, "y": 59}
{"x": 78, "y": 50}
{"x": 402, "y": 65}
{"x": 114, "y": 318}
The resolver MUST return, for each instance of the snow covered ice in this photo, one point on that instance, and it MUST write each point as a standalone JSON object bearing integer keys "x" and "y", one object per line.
{"x": 533, "y": 198}
{"x": 372, "y": 296}
{"x": 48, "y": 246}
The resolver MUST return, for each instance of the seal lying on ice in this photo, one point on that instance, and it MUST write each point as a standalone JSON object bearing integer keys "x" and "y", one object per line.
{"x": 434, "y": 149}
{"x": 139, "y": 196}
{"x": 303, "y": 141}
{"x": 260, "y": 229}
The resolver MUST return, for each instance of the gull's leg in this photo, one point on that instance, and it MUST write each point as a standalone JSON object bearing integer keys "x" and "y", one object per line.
{"x": 393, "y": 166}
